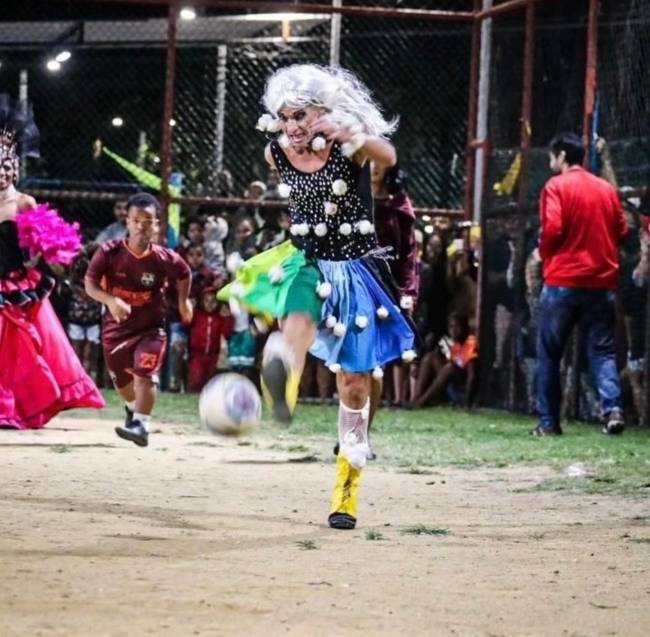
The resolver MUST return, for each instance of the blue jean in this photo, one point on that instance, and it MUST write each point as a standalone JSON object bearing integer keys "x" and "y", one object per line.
{"x": 559, "y": 310}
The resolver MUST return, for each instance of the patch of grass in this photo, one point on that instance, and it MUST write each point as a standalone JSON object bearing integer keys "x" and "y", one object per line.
{"x": 537, "y": 536}
{"x": 298, "y": 449}
{"x": 60, "y": 448}
{"x": 442, "y": 436}
{"x": 373, "y": 535}
{"x": 421, "y": 529}
{"x": 307, "y": 545}
{"x": 641, "y": 540}
{"x": 417, "y": 471}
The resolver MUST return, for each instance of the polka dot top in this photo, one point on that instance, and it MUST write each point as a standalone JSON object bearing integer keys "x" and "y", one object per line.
{"x": 331, "y": 209}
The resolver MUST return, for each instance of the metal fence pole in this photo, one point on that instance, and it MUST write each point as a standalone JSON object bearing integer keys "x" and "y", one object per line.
{"x": 522, "y": 199}
{"x": 168, "y": 112}
{"x": 588, "y": 115}
{"x": 220, "y": 111}
{"x": 470, "y": 160}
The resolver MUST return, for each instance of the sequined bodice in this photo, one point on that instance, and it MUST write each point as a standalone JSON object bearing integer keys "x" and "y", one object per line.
{"x": 11, "y": 256}
{"x": 331, "y": 209}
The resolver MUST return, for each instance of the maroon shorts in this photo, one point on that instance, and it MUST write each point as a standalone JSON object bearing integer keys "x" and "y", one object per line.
{"x": 139, "y": 355}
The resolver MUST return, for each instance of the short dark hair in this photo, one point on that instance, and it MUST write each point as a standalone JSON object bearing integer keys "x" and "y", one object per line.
{"x": 571, "y": 144}
{"x": 143, "y": 200}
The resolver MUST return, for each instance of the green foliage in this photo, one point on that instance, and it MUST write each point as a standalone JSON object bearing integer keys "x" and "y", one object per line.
{"x": 307, "y": 545}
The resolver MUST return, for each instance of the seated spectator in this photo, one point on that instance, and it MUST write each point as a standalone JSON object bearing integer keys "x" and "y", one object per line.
{"x": 451, "y": 367}
{"x": 211, "y": 323}
{"x": 117, "y": 229}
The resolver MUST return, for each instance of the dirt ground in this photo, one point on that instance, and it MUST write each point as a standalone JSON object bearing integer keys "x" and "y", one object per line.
{"x": 198, "y": 535}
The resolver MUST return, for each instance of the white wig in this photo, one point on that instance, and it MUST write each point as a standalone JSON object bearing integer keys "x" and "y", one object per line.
{"x": 341, "y": 94}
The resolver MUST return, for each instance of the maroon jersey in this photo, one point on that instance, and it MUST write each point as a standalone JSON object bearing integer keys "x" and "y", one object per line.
{"x": 140, "y": 281}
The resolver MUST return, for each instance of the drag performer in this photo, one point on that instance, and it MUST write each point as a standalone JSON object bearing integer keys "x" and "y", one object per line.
{"x": 330, "y": 285}
{"x": 40, "y": 375}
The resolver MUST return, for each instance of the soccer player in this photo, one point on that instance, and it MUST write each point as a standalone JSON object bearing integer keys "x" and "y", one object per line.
{"x": 129, "y": 277}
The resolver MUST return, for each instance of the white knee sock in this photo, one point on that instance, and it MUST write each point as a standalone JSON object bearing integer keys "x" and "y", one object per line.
{"x": 353, "y": 434}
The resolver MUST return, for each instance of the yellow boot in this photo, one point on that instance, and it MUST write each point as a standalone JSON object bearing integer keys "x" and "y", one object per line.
{"x": 344, "y": 497}
{"x": 280, "y": 389}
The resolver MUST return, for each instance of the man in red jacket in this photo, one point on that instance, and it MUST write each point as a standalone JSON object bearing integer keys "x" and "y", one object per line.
{"x": 582, "y": 223}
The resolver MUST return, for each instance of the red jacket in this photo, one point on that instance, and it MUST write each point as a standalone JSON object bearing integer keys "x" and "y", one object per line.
{"x": 206, "y": 332}
{"x": 582, "y": 223}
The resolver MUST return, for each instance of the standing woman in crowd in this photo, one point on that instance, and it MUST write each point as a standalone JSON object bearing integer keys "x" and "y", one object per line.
{"x": 40, "y": 375}
{"x": 395, "y": 226}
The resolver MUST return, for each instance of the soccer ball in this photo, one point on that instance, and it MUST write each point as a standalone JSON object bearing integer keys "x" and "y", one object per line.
{"x": 230, "y": 405}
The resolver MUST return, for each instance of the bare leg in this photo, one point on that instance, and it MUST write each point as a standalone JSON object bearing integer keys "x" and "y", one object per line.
{"x": 429, "y": 368}
{"x": 145, "y": 395}
{"x": 437, "y": 387}
{"x": 283, "y": 363}
{"x": 398, "y": 383}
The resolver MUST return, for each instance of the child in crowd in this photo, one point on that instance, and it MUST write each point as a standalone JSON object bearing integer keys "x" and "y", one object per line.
{"x": 212, "y": 322}
{"x": 451, "y": 369}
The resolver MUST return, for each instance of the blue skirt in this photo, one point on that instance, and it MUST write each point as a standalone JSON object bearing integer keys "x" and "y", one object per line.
{"x": 362, "y": 327}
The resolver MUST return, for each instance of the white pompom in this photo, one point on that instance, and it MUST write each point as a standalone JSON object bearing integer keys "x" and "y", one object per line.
{"x": 324, "y": 290}
{"x": 283, "y": 140}
{"x": 234, "y": 262}
{"x": 330, "y": 321}
{"x": 340, "y": 330}
{"x": 294, "y": 229}
{"x": 330, "y": 208}
{"x": 339, "y": 187}
{"x": 320, "y": 229}
{"x": 284, "y": 190}
{"x": 345, "y": 229}
{"x": 276, "y": 274}
{"x": 263, "y": 122}
{"x": 318, "y": 143}
{"x": 365, "y": 227}
{"x": 378, "y": 373}
{"x": 335, "y": 368}
{"x": 361, "y": 321}
{"x": 408, "y": 356}
{"x": 355, "y": 129}
{"x": 382, "y": 312}
{"x": 236, "y": 289}
{"x": 274, "y": 125}
{"x": 406, "y": 302}
{"x": 303, "y": 229}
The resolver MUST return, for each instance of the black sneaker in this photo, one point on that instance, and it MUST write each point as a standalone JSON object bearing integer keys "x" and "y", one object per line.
{"x": 135, "y": 432}
{"x": 614, "y": 424}
{"x": 275, "y": 379}
{"x": 341, "y": 521}
{"x": 542, "y": 432}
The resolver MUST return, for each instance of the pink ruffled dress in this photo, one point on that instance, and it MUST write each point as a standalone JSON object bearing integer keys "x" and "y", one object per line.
{"x": 40, "y": 375}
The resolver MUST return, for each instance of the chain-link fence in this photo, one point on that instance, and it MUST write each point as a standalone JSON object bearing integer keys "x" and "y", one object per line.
{"x": 618, "y": 133}
{"x": 101, "y": 117}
